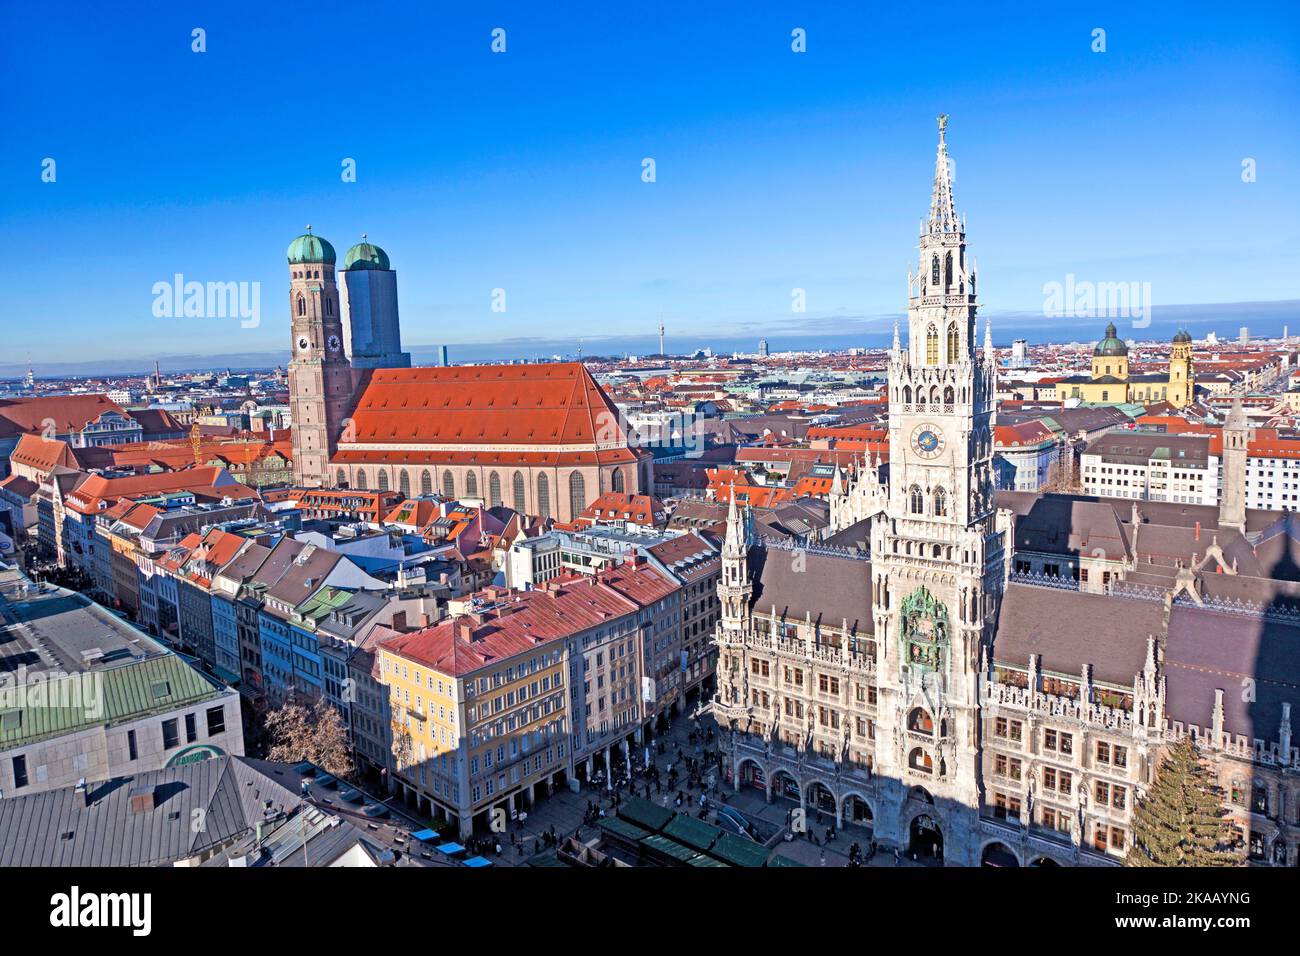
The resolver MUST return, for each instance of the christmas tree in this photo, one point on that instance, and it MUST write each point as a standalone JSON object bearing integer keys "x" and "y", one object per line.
{"x": 1182, "y": 821}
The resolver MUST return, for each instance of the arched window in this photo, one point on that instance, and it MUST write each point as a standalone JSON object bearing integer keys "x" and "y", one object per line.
{"x": 618, "y": 479}
{"x": 949, "y": 395}
{"x": 329, "y": 306}
{"x": 382, "y": 481}
{"x": 947, "y": 270}
{"x": 918, "y": 500}
{"x": 907, "y": 394}
{"x": 404, "y": 484}
{"x": 517, "y": 487}
{"x": 919, "y": 721}
{"x": 920, "y": 760}
{"x": 471, "y": 485}
{"x": 302, "y": 306}
{"x": 577, "y": 494}
{"x": 931, "y": 346}
{"x": 448, "y": 484}
{"x": 940, "y": 502}
{"x": 954, "y": 344}
{"x": 934, "y": 270}
{"x": 361, "y": 479}
{"x": 341, "y": 479}
{"x": 543, "y": 497}
{"x": 426, "y": 482}
{"x": 494, "y": 490}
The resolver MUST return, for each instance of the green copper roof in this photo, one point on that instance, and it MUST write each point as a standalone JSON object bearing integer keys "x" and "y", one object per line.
{"x": 309, "y": 248}
{"x": 121, "y": 694}
{"x": 1111, "y": 344}
{"x": 365, "y": 255}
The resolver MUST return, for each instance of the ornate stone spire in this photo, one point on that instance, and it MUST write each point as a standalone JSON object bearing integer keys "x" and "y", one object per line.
{"x": 736, "y": 544}
{"x": 943, "y": 214}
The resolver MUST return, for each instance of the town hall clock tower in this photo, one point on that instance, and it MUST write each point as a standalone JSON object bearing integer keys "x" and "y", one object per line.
{"x": 939, "y": 548}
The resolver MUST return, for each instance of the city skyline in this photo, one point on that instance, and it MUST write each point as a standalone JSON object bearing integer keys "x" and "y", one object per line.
{"x": 795, "y": 172}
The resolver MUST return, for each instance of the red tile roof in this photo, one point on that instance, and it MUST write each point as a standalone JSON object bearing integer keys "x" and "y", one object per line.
{"x": 513, "y": 405}
{"x": 528, "y": 620}
{"x": 42, "y": 454}
{"x": 68, "y": 413}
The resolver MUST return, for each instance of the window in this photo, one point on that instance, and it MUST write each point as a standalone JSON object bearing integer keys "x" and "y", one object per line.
{"x": 20, "y": 771}
{"x": 932, "y": 345}
{"x": 940, "y": 502}
{"x": 382, "y": 482}
{"x": 426, "y": 482}
{"x": 543, "y": 497}
{"x": 171, "y": 734}
{"x": 362, "y": 483}
{"x": 1058, "y": 820}
{"x": 191, "y": 729}
{"x": 1008, "y": 729}
{"x": 917, "y": 500}
{"x": 404, "y": 484}
{"x": 448, "y": 484}
{"x": 577, "y": 494}
{"x": 617, "y": 483}
{"x": 131, "y": 752}
{"x": 517, "y": 488}
{"x": 494, "y": 490}
{"x": 953, "y": 344}
{"x": 1058, "y": 742}
{"x": 471, "y": 485}
{"x": 216, "y": 721}
{"x": 934, "y": 270}
{"x": 302, "y": 306}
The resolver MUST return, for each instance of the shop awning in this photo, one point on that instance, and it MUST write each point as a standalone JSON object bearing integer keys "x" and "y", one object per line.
{"x": 478, "y": 861}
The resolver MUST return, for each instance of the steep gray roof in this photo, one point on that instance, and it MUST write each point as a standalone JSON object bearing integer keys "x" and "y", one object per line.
{"x": 1254, "y": 659}
{"x": 832, "y": 587}
{"x": 1071, "y": 628}
{"x": 100, "y": 828}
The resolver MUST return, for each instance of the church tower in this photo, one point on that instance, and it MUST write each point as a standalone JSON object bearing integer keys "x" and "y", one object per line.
{"x": 940, "y": 552}
{"x": 320, "y": 377}
{"x": 1236, "y": 449}
{"x": 1182, "y": 381}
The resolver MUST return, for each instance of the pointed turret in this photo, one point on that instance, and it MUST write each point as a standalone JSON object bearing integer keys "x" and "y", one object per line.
{"x": 988, "y": 340}
{"x": 943, "y": 214}
{"x": 736, "y": 544}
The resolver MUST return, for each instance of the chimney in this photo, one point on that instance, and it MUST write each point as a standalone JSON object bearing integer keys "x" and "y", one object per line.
{"x": 1198, "y": 531}
{"x": 142, "y": 800}
{"x": 83, "y": 791}
{"x": 464, "y": 630}
{"x": 399, "y": 621}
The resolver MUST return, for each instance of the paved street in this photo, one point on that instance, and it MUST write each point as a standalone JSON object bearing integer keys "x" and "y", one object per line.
{"x": 565, "y": 810}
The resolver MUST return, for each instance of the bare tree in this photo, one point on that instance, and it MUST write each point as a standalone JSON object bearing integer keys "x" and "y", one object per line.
{"x": 316, "y": 734}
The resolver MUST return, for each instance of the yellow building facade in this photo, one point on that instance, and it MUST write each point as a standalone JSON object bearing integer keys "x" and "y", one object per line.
{"x": 1111, "y": 381}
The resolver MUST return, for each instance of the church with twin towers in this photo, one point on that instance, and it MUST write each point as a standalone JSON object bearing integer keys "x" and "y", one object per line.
{"x": 543, "y": 439}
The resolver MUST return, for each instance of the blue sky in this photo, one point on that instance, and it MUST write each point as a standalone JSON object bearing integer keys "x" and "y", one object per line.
{"x": 522, "y": 171}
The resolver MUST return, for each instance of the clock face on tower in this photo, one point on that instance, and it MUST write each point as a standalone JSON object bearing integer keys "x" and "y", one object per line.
{"x": 304, "y": 343}
{"x": 927, "y": 440}
{"x": 333, "y": 343}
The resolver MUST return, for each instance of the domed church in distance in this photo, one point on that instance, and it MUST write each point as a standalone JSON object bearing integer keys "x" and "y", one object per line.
{"x": 1111, "y": 382}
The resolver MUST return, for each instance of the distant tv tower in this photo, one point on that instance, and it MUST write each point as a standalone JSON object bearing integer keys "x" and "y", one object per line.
{"x": 661, "y": 337}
